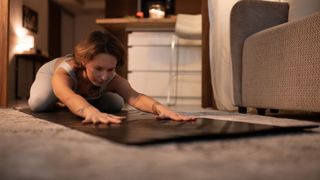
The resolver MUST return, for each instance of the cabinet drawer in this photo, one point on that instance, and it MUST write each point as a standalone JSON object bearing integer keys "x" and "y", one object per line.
{"x": 189, "y": 85}
{"x": 152, "y": 84}
{"x": 156, "y": 84}
{"x": 149, "y": 58}
{"x": 150, "y": 38}
{"x": 160, "y": 58}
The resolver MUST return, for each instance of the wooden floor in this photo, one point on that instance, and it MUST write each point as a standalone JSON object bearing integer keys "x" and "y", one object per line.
{"x": 38, "y": 149}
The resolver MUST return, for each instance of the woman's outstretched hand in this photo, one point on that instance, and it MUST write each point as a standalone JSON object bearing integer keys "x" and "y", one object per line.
{"x": 103, "y": 118}
{"x": 95, "y": 117}
{"x": 165, "y": 113}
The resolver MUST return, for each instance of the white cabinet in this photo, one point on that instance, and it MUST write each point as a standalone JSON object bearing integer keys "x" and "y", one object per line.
{"x": 151, "y": 68}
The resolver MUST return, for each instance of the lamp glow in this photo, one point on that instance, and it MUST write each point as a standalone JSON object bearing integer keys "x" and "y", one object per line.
{"x": 25, "y": 43}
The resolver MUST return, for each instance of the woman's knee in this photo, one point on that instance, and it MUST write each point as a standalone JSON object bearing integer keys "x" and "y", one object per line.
{"x": 36, "y": 105}
{"x": 39, "y": 103}
{"x": 110, "y": 102}
{"x": 118, "y": 103}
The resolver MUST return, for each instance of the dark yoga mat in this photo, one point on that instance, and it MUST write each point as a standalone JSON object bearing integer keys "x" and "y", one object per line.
{"x": 144, "y": 128}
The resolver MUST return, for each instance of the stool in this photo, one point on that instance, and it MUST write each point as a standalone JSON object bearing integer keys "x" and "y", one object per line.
{"x": 188, "y": 30}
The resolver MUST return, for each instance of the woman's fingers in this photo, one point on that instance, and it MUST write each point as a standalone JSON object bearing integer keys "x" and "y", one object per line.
{"x": 86, "y": 121}
{"x": 117, "y": 117}
{"x": 176, "y": 117}
{"x": 187, "y": 118}
{"x": 113, "y": 120}
{"x": 90, "y": 120}
{"x": 104, "y": 118}
{"x": 162, "y": 116}
{"x": 108, "y": 120}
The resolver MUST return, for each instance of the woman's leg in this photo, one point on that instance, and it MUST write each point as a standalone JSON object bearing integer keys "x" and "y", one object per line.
{"x": 42, "y": 97}
{"x": 108, "y": 102}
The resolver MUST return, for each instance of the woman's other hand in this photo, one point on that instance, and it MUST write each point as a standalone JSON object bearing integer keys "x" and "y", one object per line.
{"x": 166, "y": 113}
{"x": 94, "y": 116}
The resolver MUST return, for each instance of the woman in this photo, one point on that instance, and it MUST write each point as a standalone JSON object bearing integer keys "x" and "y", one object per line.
{"x": 86, "y": 82}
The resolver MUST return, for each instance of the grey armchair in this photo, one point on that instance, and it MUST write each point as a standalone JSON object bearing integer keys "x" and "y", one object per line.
{"x": 276, "y": 64}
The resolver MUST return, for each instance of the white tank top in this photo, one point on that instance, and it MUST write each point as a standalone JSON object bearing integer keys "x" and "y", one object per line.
{"x": 71, "y": 72}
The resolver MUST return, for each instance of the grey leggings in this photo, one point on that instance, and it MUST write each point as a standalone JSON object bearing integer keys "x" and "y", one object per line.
{"x": 42, "y": 97}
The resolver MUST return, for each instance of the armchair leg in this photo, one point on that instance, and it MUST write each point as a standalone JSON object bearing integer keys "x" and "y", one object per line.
{"x": 261, "y": 111}
{"x": 242, "y": 110}
{"x": 274, "y": 110}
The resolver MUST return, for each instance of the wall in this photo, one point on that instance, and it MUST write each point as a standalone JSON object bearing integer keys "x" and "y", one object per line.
{"x": 84, "y": 24}
{"x": 301, "y": 8}
{"x": 75, "y": 28}
{"x": 120, "y": 8}
{"x": 68, "y": 33}
{"x": 16, "y": 30}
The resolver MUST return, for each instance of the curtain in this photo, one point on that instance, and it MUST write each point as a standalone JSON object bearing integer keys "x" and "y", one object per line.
{"x": 220, "y": 52}
{"x": 220, "y": 55}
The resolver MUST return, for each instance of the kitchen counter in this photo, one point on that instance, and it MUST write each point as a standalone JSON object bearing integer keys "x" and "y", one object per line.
{"x": 136, "y": 23}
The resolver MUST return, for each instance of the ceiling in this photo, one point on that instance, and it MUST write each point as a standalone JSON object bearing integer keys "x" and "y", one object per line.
{"x": 83, "y": 6}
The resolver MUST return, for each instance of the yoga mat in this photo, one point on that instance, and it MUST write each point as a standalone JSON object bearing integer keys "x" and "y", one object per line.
{"x": 143, "y": 128}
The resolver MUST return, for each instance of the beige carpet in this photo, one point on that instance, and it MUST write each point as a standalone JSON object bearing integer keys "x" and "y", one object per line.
{"x": 32, "y": 148}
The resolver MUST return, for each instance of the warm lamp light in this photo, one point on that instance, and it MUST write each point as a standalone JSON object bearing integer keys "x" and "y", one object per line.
{"x": 25, "y": 43}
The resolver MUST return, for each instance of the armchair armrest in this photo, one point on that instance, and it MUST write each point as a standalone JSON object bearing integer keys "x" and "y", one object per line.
{"x": 247, "y": 18}
{"x": 281, "y": 66}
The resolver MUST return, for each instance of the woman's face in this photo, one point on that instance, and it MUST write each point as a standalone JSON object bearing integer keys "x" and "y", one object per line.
{"x": 101, "y": 68}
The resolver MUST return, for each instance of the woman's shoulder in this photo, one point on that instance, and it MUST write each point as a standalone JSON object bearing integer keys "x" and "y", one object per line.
{"x": 65, "y": 68}
{"x": 64, "y": 61}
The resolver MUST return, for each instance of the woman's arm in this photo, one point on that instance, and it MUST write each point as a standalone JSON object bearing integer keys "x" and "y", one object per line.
{"x": 144, "y": 102}
{"x": 61, "y": 84}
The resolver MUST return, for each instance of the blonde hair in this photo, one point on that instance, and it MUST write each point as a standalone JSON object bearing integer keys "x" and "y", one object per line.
{"x": 96, "y": 43}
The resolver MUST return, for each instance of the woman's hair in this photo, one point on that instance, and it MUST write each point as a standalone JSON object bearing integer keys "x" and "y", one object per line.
{"x": 96, "y": 43}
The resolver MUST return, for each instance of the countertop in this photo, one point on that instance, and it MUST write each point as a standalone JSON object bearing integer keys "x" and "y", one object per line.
{"x": 137, "y": 23}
